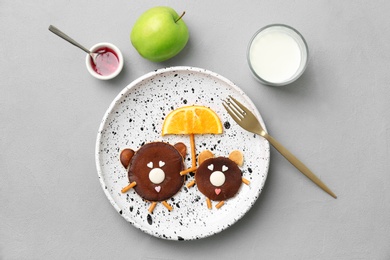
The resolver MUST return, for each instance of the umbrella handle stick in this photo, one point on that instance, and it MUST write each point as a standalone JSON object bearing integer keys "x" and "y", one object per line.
{"x": 193, "y": 157}
{"x": 193, "y": 154}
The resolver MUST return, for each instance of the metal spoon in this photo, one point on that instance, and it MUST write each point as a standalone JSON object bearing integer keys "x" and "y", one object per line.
{"x": 56, "y": 31}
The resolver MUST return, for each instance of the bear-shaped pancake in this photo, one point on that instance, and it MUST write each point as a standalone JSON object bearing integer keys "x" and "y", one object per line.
{"x": 154, "y": 171}
{"x": 219, "y": 178}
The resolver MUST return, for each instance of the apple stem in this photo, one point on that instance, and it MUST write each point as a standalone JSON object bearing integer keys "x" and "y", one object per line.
{"x": 180, "y": 16}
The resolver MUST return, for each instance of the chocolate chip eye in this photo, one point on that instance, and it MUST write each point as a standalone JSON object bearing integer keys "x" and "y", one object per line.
{"x": 161, "y": 163}
{"x": 210, "y": 167}
{"x": 217, "y": 178}
{"x": 150, "y": 165}
{"x": 224, "y": 168}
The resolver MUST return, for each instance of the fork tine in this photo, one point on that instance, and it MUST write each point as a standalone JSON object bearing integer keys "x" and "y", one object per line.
{"x": 233, "y": 107}
{"x": 230, "y": 111}
{"x": 236, "y": 108}
{"x": 236, "y": 103}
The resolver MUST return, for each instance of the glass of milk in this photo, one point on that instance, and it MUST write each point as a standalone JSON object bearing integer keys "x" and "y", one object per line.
{"x": 277, "y": 55}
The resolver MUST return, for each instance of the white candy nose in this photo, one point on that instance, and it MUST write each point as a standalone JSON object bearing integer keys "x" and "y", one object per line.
{"x": 217, "y": 178}
{"x": 156, "y": 176}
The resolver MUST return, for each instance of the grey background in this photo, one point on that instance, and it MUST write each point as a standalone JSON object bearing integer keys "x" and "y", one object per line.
{"x": 335, "y": 118}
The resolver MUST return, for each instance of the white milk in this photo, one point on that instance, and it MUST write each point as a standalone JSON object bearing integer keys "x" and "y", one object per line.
{"x": 276, "y": 56}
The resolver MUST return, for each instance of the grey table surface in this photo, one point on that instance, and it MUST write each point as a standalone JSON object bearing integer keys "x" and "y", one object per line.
{"x": 335, "y": 118}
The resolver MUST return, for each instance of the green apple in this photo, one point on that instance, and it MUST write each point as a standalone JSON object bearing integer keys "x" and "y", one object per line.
{"x": 159, "y": 34}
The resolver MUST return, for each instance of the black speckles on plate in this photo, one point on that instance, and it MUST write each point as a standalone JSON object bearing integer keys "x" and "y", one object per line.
{"x": 149, "y": 219}
{"x": 136, "y": 116}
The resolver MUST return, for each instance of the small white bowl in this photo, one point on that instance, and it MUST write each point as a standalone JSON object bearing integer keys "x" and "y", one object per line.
{"x": 277, "y": 55}
{"x": 89, "y": 62}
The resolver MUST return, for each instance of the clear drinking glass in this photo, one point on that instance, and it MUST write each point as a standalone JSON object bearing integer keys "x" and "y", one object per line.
{"x": 277, "y": 55}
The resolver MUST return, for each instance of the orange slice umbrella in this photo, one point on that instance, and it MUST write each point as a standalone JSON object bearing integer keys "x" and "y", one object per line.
{"x": 192, "y": 120}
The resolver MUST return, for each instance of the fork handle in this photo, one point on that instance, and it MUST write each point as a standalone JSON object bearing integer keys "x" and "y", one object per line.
{"x": 297, "y": 163}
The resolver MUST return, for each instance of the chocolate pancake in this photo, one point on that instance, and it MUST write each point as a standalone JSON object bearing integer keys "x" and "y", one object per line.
{"x": 218, "y": 166}
{"x": 156, "y": 167}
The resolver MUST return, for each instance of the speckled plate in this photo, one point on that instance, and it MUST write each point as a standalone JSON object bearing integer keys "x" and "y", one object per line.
{"x": 136, "y": 116}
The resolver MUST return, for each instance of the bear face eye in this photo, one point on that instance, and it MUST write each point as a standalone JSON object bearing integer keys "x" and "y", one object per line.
{"x": 210, "y": 167}
{"x": 160, "y": 163}
{"x": 224, "y": 168}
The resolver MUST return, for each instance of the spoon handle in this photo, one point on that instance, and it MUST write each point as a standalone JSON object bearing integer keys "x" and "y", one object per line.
{"x": 56, "y": 31}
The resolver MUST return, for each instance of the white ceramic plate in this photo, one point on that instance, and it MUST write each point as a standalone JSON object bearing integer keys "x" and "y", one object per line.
{"x": 136, "y": 116}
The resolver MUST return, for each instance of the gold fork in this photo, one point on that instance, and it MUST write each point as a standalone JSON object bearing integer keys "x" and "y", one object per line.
{"x": 247, "y": 120}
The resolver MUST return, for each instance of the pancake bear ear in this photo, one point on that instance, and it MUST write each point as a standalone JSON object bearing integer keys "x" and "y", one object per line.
{"x": 237, "y": 157}
{"x": 181, "y": 148}
{"x": 203, "y": 156}
{"x": 126, "y": 156}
